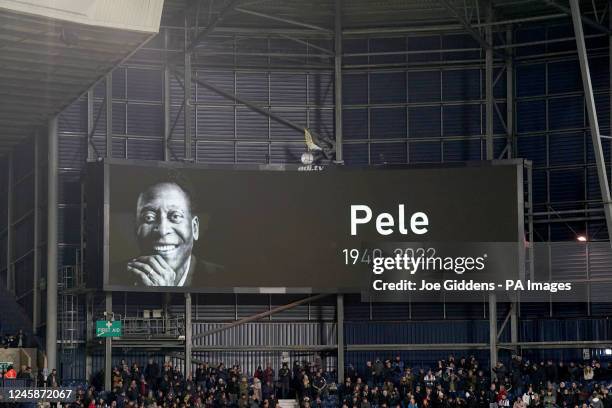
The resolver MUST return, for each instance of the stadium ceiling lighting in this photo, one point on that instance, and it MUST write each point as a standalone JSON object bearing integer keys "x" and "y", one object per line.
{"x": 581, "y": 238}
{"x": 608, "y": 352}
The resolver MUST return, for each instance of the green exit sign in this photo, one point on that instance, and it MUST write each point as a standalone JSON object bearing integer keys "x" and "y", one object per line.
{"x": 108, "y": 329}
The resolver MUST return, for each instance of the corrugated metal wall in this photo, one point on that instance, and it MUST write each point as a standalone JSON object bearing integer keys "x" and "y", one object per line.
{"x": 433, "y": 113}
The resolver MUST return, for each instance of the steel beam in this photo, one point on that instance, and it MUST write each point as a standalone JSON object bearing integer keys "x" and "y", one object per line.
{"x": 249, "y": 105}
{"x": 188, "y": 335}
{"x": 510, "y": 137}
{"x": 306, "y": 348}
{"x": 338, "y": 84}
{"x": 592, "y": 114}
{"x": 584, "y": 19}
{"x": 52, "y": 230}
{"x": 284, "y": 20}
{"x": 167, "y": 124}
{"x": 108, "y": 344}
{"x": 340, "y": 334}
{"x": 188, "y": 112}
{"x": 490, "y": 101}
{"x": 466, "y": 24}
{"x": 36, "y": 266}
{"x": 211, "y": 27}
{"x": 109, "y": 115}
{"x": 417, "y": 347}
{"x": 9, "y": 223}
{"x": 90, "y": 124}
{"x": 259, "y": 316}
{"x": 492, "y": 331}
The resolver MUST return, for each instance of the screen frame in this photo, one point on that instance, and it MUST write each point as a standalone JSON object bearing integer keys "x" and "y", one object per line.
{"x": 519, "y": 165}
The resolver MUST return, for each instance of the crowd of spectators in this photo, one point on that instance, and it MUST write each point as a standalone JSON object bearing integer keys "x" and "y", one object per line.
{"x": 17, "y": 340}
{"x": 391, "y": 383}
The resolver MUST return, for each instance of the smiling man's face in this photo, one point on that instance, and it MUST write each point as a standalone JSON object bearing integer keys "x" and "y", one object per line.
{"x": 165, "y": 224}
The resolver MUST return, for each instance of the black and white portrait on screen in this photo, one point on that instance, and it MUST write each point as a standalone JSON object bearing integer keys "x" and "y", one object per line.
{"x": 167, "y": 228}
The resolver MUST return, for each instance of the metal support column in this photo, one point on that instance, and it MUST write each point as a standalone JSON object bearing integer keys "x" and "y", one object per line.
{"x": 109, "y": 115}
{"x": 510, "y": 96}
{"x": 167, "y": 124}
{"x": 338, "y": 81}
{"x": 514, "y": 322}
{"x": 52, "y": 265}
{"x": 89, "y": 334}
{"x": 188, "y": 333}
{"x": 340, "y": 329}
{"x": 9, "y": 224}
{"x": 188, "y": 112}
{"x": 90, "y": 124}
{"x": 108, "y": 345}
{"x": 489, "y": 82}
{"x": 492, "y": 331}
{"x": 592, "y": 113}
{"x": 36, "y": 271}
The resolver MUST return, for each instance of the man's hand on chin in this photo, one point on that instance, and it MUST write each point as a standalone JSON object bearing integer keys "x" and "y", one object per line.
{"x": 152, "y": 270}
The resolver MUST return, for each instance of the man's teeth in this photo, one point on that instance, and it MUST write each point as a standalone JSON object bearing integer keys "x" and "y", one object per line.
{"x": 164, "y": 247}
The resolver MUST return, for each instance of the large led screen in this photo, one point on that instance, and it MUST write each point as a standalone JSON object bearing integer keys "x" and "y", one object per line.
{"x": 279, "y": 229}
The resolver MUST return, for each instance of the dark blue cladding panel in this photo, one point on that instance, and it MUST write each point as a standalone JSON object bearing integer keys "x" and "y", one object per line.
{"x": 528, "y": 35}
{"x": 221, "y": 80}
{"x": 567, "y": 185}
{"x": 566, "y": 113}
{"x": 283, "y": 152}
{"x": 354, "y": 46}
{"x": 605, "y": 145}
{"x": 320, "y": 89}
{"x": 460, "y": 41}
{"x": 356, "y": 154}
{"x": 462, "y": 150}
{"x": 424, "y": 122}
{"x": 461, "y": 120}
{"x": 288, "y": 89}
{"x": 252, "y": 153}
{"x": 215, "y": 123}
{"x": 250, "y": 124}
{"x": 530, "y": 80}
{"x": 461, "y": 85}
{"x": 282, "y": 131}
{"x": 388, "y": 123}
{"x": 540, "y": 186}
{"x": 531, "y": 116}
{"x": 145, "y": 149}
{"x": 388, "y": 87}
{"x": 600, "y": 72}
{"x": 424, "y": 43}
{"x": 72, "y": 151}
{"x": 355, "y": 123}
{"x": 388, "y": 153}
{"x": 252, "y": 86}
{"x": 144, "y": 84}
{"x": 424, "y": 86}
{"x": 566, "y": 148}
{"x": 561, "y": 32}
{"x": 145, "y": 120}
{"x": 119, "y": 118}
{"x": 425, "y": 152}
{"x": 321, "y": 121}
{"x": 533, "y": 148}
{"x": 355, "y": 89}
{"x": 74, "y": 118}
{"x": 222, "y": 152}
{"x": 383, "y": 45}
{"x": 564, "y": 76}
